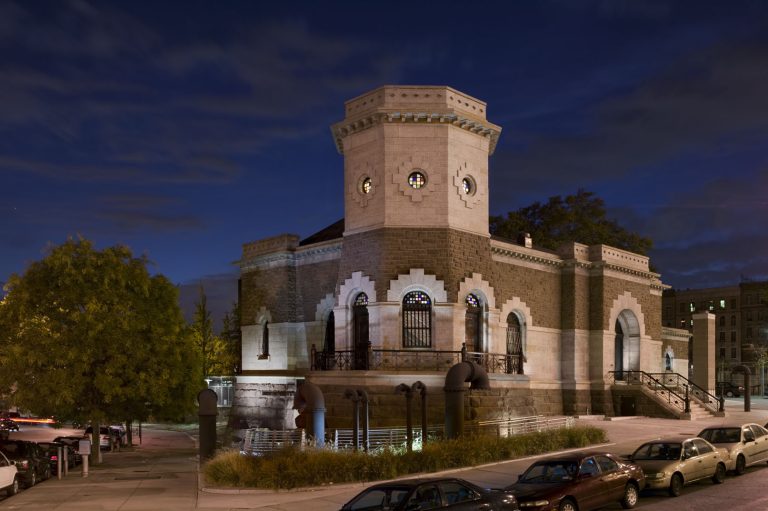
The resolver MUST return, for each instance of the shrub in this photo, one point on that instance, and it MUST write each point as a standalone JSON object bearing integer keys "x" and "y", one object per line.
{"x": 292, "y": 467}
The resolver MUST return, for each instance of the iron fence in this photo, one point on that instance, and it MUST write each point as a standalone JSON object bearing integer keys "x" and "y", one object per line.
{"x": 261, "y": 441}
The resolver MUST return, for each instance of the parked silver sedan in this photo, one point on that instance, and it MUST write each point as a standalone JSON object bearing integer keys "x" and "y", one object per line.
{"x": 747, "y": 444}
{"x": 674, "y": 462}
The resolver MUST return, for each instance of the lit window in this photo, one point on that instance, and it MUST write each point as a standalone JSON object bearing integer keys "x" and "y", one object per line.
{"x": 366, "y": 186}
{"x": 472, "y": 301}
{"x": 417, "y": 180}
{"x": 692, "y": 307}
{"x": 467, "y": 186}
{"x": 722, "y": 303}
{"x": 711, "y": 305}
{"x": 361, "y": 299}
{"x": 417, "y": 320}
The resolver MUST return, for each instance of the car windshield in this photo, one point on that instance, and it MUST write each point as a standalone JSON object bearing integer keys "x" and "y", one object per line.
{"x": 550, "y": 472}
{"x": 387, "y": 497}
{"x": 658, "y": 451}
{"x": 721, "y": 435}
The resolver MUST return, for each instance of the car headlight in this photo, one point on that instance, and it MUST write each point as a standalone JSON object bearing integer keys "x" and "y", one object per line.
{"x": 534, "y": 503}
{"x": 655, "y": 475}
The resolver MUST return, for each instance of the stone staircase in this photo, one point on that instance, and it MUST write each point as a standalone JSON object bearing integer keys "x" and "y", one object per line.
{"x": 663, "y": 395}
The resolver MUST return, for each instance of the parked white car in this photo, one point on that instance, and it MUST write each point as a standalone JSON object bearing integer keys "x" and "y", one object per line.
{"x": 747, "y": 444}
{"x": 9, "y": 481}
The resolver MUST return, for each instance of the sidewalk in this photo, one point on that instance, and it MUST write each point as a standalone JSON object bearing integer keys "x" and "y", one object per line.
{"x": 162, "y": 474}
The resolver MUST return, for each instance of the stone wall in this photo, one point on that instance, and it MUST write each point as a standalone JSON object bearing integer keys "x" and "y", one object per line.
{"x": 267, "y": 403}
{"x": 314, "y": 282}
{"x": 273, "y": 288}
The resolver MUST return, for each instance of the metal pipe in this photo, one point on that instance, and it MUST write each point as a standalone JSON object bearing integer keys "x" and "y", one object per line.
{"x": 406, "y": 390}
{"x": 309, "y": 398}
{"x": 454, "y": 393}
{"x": 422, "y": 390}
{"x": 353, "y": 396}
{"x": 363, "y": 396}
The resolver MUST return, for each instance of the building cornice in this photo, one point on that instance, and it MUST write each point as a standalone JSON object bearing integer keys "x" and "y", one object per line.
{"x": 480, "y": 127}
{"x": 312, "y": 254}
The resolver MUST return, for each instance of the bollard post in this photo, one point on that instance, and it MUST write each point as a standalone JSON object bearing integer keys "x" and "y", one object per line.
{"x": 208, "y": 409}
{"x": 59, "y": 454}
{"x": 84, "y": 449}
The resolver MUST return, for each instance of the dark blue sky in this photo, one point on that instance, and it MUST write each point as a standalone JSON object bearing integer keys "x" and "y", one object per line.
{"x": 184, "y": 129}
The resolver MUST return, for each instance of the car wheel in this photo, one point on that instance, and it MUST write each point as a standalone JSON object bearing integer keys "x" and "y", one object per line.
{"x": 729, "y": 393}
{"x": 741, "y": 464}
{"x": 630, "y": 496}
{"x": 567, "y": 505}
{"x": 13, "y": 489}
{"x": 32, "y": 479}
{"x": 719, "y": 476}
{"x": 676, "y": 485}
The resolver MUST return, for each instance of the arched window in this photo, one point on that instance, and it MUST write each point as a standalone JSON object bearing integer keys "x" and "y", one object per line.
{"x": 360, "y": 331}
{"x": 515, "y": 355}
{"x": 265, "y": 341}
{"x": 328, "y": 354}
{"x": 473, "y": 322}
{"x": 417, "y": 320}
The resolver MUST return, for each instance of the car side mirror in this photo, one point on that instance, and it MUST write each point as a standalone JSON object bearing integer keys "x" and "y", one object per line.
{"x": 519, "y": 476}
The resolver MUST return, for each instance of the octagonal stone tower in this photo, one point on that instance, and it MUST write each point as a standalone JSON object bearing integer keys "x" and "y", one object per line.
{"x": 416, "y": 156}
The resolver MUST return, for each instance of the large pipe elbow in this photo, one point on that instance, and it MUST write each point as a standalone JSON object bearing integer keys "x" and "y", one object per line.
{"x": 308, "y": 395}
{"x": 466, "y": 372}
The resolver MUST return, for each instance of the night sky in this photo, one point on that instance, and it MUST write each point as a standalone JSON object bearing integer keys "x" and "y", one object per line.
{"x": 183, "y": 129}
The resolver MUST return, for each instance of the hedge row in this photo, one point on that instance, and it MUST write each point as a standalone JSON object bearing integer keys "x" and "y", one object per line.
{"x": 293, "y": 468}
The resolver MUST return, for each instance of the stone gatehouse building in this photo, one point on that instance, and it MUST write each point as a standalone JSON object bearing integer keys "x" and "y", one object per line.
{"x": 411, "y": 281}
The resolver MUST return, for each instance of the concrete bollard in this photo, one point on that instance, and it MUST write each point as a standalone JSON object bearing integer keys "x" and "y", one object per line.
{"x": 208, "y": 409}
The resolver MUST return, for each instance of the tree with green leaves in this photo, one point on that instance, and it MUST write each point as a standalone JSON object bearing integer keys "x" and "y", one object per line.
{"x": 581, "y": 218}
{"x": 218, "y": 352}
{"x": 89, "y": 335}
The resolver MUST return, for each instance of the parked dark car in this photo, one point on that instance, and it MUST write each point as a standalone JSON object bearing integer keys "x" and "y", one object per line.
{"x": 31, "y": 462}
{"x": 51, "y": 450}
{"x": 579, "y": 481}
{"x": 431, "y": 493}
{"x": 74, "y": 444}
{"x": 728, "y": 389}
{"x": 8, "y": 424}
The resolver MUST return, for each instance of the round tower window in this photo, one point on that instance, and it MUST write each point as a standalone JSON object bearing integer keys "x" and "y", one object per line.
{"x": 467, "y": 186}
{"x": 417, "y": 180}
{"x": 366, "y": 186}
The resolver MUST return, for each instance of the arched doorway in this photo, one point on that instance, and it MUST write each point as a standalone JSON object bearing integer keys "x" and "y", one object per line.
{"x": 473, "y": 324}
{"x": 515, "y": 357}
{"x": 626, "y": 344}
{"x": 360, "y": 331}
{"x": 329, "y": 343}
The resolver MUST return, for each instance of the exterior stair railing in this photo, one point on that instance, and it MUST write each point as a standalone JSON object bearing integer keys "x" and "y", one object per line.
{"x": 674, "y": 388}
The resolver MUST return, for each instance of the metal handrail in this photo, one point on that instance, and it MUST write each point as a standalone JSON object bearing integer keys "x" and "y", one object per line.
{"x": 677, "y": 380}
{"x": 647, "y": 380}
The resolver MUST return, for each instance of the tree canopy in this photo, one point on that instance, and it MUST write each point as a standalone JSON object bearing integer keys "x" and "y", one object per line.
{"x": 220, "y": 353}
{"x": 581, "y": 217}
{"x": 88, "y": 334}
